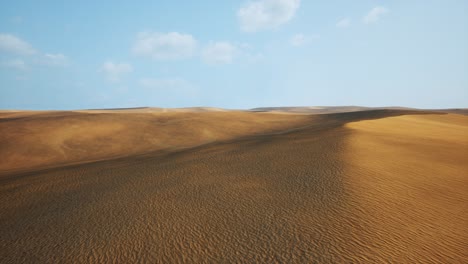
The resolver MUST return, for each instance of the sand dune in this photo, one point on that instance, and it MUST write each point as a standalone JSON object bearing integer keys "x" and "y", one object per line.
{"x": 48, "y": 139}
{"x": 311, "y": 109}
{"x": 325, "y": 109}
{"x": 152, "y": 110}
{"x": 369, "y": 186}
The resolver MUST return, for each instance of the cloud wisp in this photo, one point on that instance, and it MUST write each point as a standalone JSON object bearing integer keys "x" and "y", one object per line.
{"x": 221, "y": 52}
{"x": 28, "y": 55}
{"x": 164, "y": 46}
{"x": 343, "y": 23}
{"x": 114, "y": 72}
{"x": 12, "y": 44}
{"x": 374, "y": 14}
{"x": 15, "y": 64}
{"x": 179, "y": 46}
{"x": 51, "y": 59}
{"x": 266, "y": 14}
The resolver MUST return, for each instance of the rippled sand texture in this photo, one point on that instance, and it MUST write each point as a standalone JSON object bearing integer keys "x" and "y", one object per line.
{"x": 340, "y": 190}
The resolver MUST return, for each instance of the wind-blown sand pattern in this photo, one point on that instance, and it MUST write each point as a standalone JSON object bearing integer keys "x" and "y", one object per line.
{"x": 229, "y": 187}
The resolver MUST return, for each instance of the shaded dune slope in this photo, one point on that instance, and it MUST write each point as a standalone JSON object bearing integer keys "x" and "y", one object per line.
{"x": 330, "y": 189}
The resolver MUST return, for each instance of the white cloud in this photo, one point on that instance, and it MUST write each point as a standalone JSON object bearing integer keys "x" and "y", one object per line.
{"x": 343, "y": 23}
{"x": 266, "y": 14}
{"x": 219, "y": 52}
{"x": 16, "y": 64}
{"x": 115, "y": 71}
{"x": 164, "y": 46}
{"x": 54, "y": 59}
{"x": 300, "y": 39}
{"x": 12, "y": 44}
{"x": 375, "y": 14}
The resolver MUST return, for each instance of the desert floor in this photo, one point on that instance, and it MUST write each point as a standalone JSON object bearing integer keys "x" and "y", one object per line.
{"x": 212, "y": 186}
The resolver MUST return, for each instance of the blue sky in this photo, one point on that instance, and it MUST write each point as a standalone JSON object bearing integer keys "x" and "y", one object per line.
{"x": 233, "y": 54}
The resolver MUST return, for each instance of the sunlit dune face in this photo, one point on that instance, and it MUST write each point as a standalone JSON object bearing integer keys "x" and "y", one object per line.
{"x": 408, "y": 176}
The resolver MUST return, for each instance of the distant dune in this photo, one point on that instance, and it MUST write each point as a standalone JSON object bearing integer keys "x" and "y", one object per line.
{"x": 196, "y": 185}
{"x": 311, "y": 109}
{"x": 324, "y": 109}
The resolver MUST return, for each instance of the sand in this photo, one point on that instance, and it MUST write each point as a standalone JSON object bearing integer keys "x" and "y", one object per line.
{"x": 37, "y": 140}
{"x": 369, "y": 186}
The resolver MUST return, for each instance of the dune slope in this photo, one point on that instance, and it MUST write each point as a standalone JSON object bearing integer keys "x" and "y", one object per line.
{"x": 341, "y": 189}
{"x": 35, "y": 140}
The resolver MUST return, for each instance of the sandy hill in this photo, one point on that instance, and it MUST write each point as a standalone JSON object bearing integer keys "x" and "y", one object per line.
{"x": 371, "y": 186}
{"x": 33, "y": 140}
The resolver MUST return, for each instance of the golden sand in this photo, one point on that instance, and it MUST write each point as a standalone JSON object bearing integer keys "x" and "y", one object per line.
{"x": 329, "y": 189}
